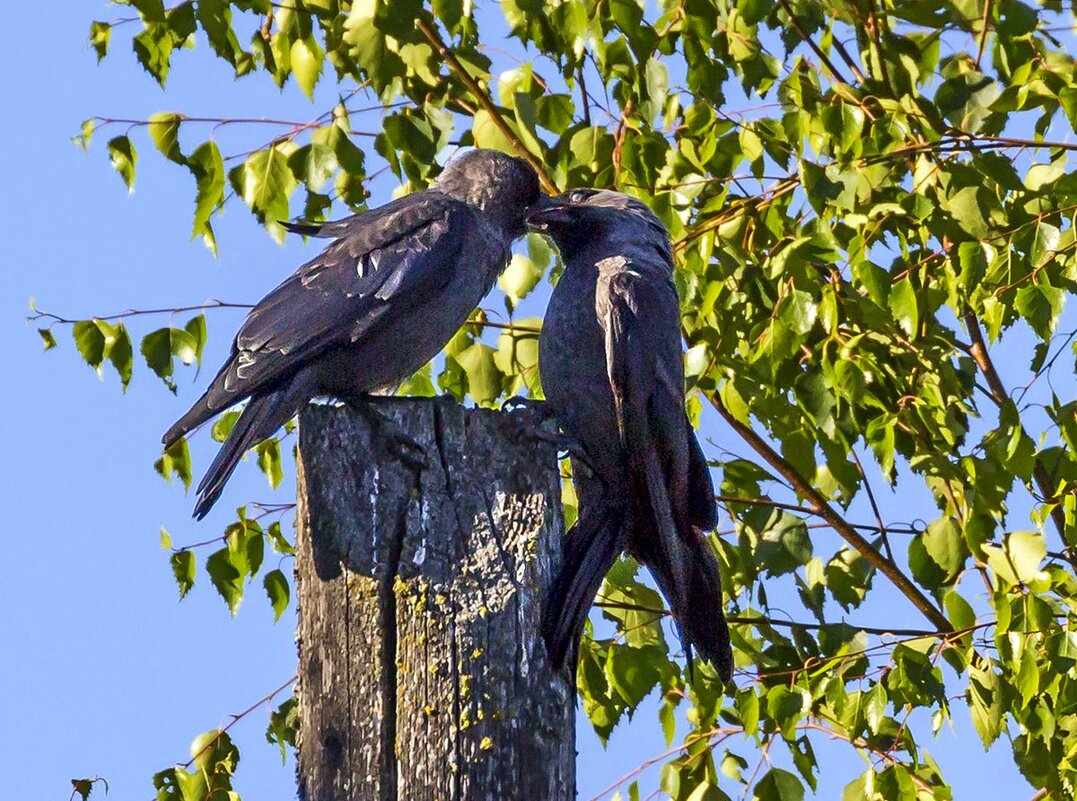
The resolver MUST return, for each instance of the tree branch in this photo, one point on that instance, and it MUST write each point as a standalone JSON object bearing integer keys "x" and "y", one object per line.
{"x": 487, "y": 103}
{"x": 820, "y": 506}
{"x": 834, "y": 74}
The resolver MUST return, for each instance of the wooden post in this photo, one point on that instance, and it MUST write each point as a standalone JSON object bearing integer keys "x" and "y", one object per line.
{"x": 422, "y": 674}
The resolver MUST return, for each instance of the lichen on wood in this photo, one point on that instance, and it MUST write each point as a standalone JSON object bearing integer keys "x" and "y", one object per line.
{"x": 422, "y": 672}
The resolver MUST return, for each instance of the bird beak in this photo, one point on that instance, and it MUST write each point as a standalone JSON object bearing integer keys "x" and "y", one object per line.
{"x": 548, "y": 211}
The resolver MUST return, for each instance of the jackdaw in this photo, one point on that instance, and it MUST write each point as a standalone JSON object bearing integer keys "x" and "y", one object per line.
{"x": 610, "y": 357}
{"x": 371, "y": 309}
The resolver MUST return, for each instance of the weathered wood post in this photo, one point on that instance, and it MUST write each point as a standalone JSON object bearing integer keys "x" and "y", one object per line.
{"x": 422, "y": 675}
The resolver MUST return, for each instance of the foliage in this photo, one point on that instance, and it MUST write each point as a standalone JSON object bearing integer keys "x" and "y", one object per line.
{"x": 870, "y": 204}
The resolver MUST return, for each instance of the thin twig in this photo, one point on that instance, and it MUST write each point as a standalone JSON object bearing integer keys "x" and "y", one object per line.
{"x": 484, "y": 100}
{"x": 983, "y": 32}
{"x": 236, "y": 718}
{"x": 55, "y": 319}
{"x": 874, "y": 504}
{"x": 583, "y": 96}
{"x": 834, "y": 74}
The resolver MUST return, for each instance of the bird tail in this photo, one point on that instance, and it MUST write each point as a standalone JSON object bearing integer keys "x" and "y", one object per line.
{"x": 591, "y": 547}
{"x": 682, "y": 561}
{"x": 263, "y": 414}
{"x": 694, "y": 594}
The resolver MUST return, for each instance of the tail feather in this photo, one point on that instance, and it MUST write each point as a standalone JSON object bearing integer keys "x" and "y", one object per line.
{"x": 590, "y": 549}
{"x": 263, "y": 415}
{"x": 697, "y": 603}
{"x": 326, "y": 230}
{"x": 684, "y": 566}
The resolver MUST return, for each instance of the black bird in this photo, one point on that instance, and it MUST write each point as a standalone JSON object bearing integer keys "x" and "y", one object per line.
{"x": 612, "y": 370}
{"x": 372, "y": 308}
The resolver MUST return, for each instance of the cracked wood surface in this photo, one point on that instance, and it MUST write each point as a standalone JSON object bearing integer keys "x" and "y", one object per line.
{"x": 422, "y": 672}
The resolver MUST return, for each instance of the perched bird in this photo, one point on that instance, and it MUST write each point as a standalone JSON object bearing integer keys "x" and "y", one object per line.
{"x": 371, "y": 309}
{"x": 612, "y": 371}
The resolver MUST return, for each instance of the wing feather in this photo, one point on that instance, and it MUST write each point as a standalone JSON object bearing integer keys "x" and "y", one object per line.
{"x": 381, "y": 264}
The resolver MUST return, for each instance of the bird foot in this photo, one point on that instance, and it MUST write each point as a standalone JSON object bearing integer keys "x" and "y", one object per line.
{"x": 397, "y": 441}
{"x": 566, "y": 445}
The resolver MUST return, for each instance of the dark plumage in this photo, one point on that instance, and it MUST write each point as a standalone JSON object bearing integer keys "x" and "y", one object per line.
{"x": 372, "y": 308}
{"x": 612, "y": 370}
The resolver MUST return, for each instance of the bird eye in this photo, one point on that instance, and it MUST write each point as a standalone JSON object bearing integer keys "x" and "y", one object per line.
{"x": 578, "y": 196}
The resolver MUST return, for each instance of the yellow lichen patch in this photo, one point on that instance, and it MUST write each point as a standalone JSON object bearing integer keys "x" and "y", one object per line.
{"x": 485, "y": 744}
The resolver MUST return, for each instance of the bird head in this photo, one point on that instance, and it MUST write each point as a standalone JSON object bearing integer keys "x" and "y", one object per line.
{"x": 583, "y": 217}
{"x": 503, "y": 187}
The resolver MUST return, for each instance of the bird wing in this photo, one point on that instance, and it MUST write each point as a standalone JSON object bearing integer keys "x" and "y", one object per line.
{"x": 668, "y": 477}
{"x": 638, "y": 309}
{"x": 382, "y": 261}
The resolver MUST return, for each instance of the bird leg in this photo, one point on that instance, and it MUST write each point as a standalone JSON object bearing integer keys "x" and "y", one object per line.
{"x": 541, "y": 413}
{"x": 398, "y": 442}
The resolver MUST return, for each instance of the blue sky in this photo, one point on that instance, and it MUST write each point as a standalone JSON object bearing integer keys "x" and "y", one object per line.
{"x": 105, "y": 671}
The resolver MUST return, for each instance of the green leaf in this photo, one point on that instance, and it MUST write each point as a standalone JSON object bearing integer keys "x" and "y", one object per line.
{"x": 820, "y": 189}
{"x": 85, "y": 135}
{"x": 903, "y": 305}
{"x": 965, "y": 100}
{"x": 520, "y": 277}
{"x": 175, "y": 461}
{"x": 226, "y": 576}
{"x": 967, "y": 206}
{"x": 1018, "y": 561}
{"x": 153, "y": 48}
{"x": 124, "y": 157}
{"x": 207, "y": 166}
{"x": 183, "y": 570}
{"x": 985, "y": 702}
{"x": 483, "y": 377}
{"x": 164, "y": 131}
{"x": 943, "y": 542}
{"x": 120, "y": 353}
{"x": 278, "y": 541}
{"x": 90, "y": 342}
{"x": 778, "y": 785}
{"x": 314, "y": 164}
{"x": 269, "y": 461}
{"x": 1040, "y": 304}
{"x": 267, "y": 182}
{"x": 84, "y": 787}
{"x": 223, "y": 425}
{"x": 160, "y": 346}
{"x": 306, "y": 60}
{"x": 370, "y": 48}
{"x": 196, "y": 328}
{"x": 786, "y": 706}
{"x": 215, "y": 17}
{"x": 283, "y": 727}
{"x": 488, "y": 135}
{"x": 276, "y": 587}
{"x": 100, "y": 33}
